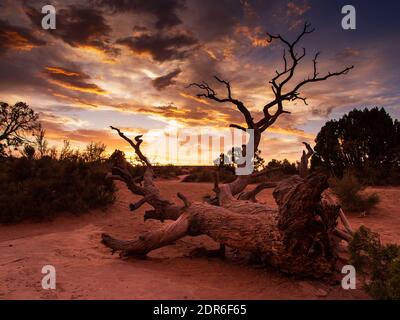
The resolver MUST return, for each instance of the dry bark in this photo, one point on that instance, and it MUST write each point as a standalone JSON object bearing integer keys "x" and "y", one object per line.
{"x": 251, "y": 195}
{"x": 305, "y": 157}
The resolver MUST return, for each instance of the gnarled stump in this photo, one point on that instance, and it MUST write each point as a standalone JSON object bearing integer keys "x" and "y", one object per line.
{"x": 296, "y": 238}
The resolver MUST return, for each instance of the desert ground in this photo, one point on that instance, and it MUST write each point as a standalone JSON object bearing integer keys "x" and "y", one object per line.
{"x": 87, "y": 270}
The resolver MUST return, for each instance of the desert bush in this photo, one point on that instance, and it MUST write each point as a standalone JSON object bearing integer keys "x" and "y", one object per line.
{"x": 206, "y": 174}
{"x": 382, "y": 177}
{"x": 168, "y": 171}
{"x": 283, "y": 166}
{"x": 137, "y": 169}
{"x": 382, "y": 262}
{"x": 275, "y": 171}
{"x": 40, "y": 188}
{"x": 28, "y": 151}
{"x": 94, "y": 152}
{"x": 348, "y": 189}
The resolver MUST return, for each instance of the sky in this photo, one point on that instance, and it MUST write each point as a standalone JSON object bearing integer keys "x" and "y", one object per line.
{"x": 129, "y": 63}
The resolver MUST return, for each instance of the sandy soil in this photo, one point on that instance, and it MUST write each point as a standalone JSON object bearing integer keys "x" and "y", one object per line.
{"x": 87, "y": 270}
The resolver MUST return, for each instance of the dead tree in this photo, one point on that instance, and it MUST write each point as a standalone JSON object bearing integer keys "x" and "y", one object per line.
{"x": 305, "y": 157}
{"x": 282, "y": 89}
{"x": 299, "y": 237}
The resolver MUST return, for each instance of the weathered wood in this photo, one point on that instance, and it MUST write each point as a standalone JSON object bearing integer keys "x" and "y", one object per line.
{"x": 345, "y": 222}
{"x": 331, "y": 199}
{"x": 295, "y": 238}
{"x": 150, "y": 240}
{"x": 251, "y": 195}
{"x": 305, "y": 157}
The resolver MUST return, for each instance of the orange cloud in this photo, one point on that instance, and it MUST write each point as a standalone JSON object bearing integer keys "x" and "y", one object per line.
{"x": 188, "y": 96}
{"x": 99, "y": 52}
{"x": 16, "y": 41}
{"x": 56, "y": 131}
{"x": 256, "y": 36}
{"x": 57, "y": 70}
{"x": 211, "y": 54}
{"x": 291, "y": 132}
{"x": 77, "y": 101}
{"x": 17, "y": 38}
{"x": 188, "y": 116}
{"x": 73, "y": 80}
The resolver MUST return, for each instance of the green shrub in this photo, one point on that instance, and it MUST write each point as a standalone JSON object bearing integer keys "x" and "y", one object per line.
{"x": 382, "y": 262}
{"x": 39, "y": 188}
{"x": 348, "y": 190}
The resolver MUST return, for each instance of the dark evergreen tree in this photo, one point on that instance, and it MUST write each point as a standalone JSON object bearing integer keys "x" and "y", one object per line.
{"x": 366, "y": 142}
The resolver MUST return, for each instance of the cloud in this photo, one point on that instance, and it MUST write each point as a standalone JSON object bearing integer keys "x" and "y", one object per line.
{"x": 199, "y": 38}
{"x": 211, "y": 20}
{"x": 56, "y": 131}
{"x": 297, "y": 9}
{"x": 73, "y": 80}
{"x": 160, "y": 47}
{"x": 169, "y": 111}
{"x": 190, "y": 116}
{"x": 256, "y": 35}
{"x": 195, "y": 98}
{"x": 76, "y": 101}
{"x": 162, "y": 82}
{"x": 322, "y": 112}
{"x": 291, "y": 132}
{"x": 17, "y": 38}
{"x": 79, "y": 27}
{"x": 347, "y": 53}
{"x": 165, "y": 11}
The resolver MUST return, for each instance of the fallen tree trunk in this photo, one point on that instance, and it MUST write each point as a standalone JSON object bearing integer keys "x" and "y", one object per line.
{"x": 251, "y": 195}
{"x": 296, "y": 238}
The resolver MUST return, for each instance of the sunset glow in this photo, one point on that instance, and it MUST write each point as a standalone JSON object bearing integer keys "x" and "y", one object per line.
{"x": 130, "y": 66}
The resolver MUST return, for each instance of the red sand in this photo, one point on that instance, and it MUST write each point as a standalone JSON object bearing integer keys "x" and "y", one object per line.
{"x": 87, "y": 270}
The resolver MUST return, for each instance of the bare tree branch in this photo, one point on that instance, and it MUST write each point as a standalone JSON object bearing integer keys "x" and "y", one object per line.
{"x": 135, "y": 146}
{"x": 237, "y": 127}
{"x": 287, "y": 74}
{"x": 211, "y": 94}
{"x": 282, "y": 88}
